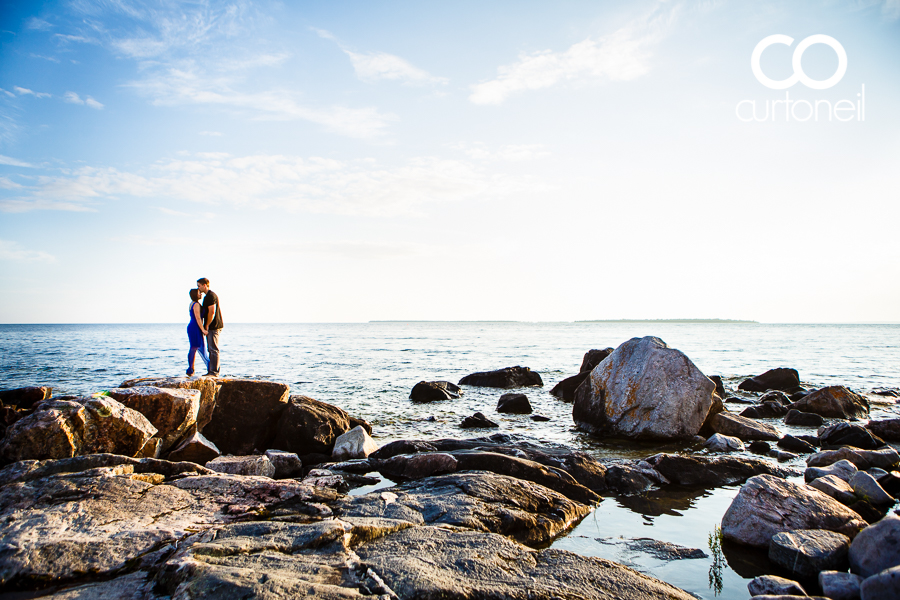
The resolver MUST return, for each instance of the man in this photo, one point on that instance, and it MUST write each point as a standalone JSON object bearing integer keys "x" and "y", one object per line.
{"x": 212, "y": 320}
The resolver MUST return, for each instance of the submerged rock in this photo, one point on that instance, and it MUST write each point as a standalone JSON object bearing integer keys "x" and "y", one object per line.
{"x": 644, "y": 390}
{"x": 431, "y": 391}
{"x": 805, "y": 553}
{"x": 767, "y": 505}
{"x": 802, "y": 419}
{"x": 509, "y": 377}
{"x": 766, "y": 410}
{"x": 786, "y": 380}
{"x": 514, "y": 403}
{"x": 834, "y": 402}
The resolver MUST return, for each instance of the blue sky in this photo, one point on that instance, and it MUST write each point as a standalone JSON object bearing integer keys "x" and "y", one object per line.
{"x": 348, "y": 161}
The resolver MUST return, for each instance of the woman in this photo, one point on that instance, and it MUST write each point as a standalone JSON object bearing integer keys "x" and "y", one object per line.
{"x": 195, "y": 332}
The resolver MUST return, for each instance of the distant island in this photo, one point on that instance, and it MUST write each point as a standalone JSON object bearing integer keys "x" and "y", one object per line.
{"x": 713, "y": 321}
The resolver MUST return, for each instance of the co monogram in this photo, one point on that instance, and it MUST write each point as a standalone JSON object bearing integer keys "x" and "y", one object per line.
{"x": 798, "y": 74}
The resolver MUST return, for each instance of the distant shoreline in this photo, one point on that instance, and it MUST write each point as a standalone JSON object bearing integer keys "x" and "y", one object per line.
{"x": 714, "y": 321}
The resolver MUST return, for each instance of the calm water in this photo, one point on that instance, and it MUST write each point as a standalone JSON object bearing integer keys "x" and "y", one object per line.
{"x": 369, "y": 369}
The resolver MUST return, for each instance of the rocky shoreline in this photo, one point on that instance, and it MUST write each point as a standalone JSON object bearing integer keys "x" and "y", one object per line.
{"x": 203, "y": 487}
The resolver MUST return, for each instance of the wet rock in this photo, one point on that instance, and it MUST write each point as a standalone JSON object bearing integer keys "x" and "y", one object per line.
{"x": 478, "y": 420}
{"x": 890, "y": 482}
{"x": 309, "y": 426}
{"x": 356, "y": 443}
{"x": 721, "y": 392}
{"x": 775, "y": 586}
{"x": 196, "y": 449}
{"x": 799, "y": 418}
{"x": 25, "y": 397}
{"x": 208, "y": 387}
{"x": 849, "y": 434}
{"x": 417, "y": 466}
{"x": 881, "y": 586}
{"x": 540, "y": 418}
{"x": 839, "y": 585}
{"x": 565, "y": 389}
{"x": 432, "y": 391}
{"x": 645, "y": 390}
{"x": 865, "y": 486}
{"x": 259, "y": 466}
{"x": 171, "y": 411}
{"x": 835, "y": 487}
{"x": 287, "y": 464}
{"x": 401, "y": 447}
{"x": 723, "y": 443}
{"x": 626, "y": 479}
{"x": 746, "y": 429}
{"x": 781, "y": 455}
{"x": 711, "y": 471}
{"x": 514, "y": 403}
{"x": 657, "y": 549}
{"x": 766, "y": 410}
{"x": 759, "y": 447}
{"x": 867, "y": 511}
{"x": 526, "y": 511}
{"x": 739, "y": 400}
{"x": 842, "y": 469}
{"x": 794, "y": 444}
{"x": 786, "y": 380}
{"x": 246, "y": 414}
{"x": 886, "y": 429}
{"x": 887, "y": 392}
{"x": 876, "y": 548}
{"x": 775, "y": 396}
{"x": 767, "y": 505}
{"x": 885, "y": 458}
{"x": 805, "y": 553}
{"x": 835, "y": 402}
{"x": 592, "y": 358}
{"x": 509, "y": 377}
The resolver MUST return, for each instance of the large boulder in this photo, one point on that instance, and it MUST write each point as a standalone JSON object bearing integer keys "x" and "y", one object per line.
{"x": 64, "y": 428}
{"x": 509, "y": 377}
{"x": 786, "y": 380}
{"x": 207, "y": 386}
{"x": 728, "y": 423}
{"x": 834, "y": 402}
{"x": 25, "y": 397}
{"x": 877, "y": 547}
{"x": 883, "y": 458}
{"x": 804, "y": 553}
{"x": 644, "y": 390}
{"x": 594, "y": 357}
{"x": 355, "y": 443}
{"x": 246, "y": 415}
{"x": 431, "y": 391}
{"x": 309, "y": 426}
{"x": 767, "y": 505}
{"x": 172, "y": 411}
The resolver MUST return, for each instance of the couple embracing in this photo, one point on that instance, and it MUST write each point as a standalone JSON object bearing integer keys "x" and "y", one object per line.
{"x": 206, "y": 321}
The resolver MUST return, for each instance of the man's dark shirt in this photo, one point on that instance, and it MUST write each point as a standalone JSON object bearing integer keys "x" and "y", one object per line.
{"x": 209, "y": 300}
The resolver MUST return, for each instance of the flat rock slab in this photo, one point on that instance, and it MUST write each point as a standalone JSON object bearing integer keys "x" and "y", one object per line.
{"x": 258, "y": 465}
{"x": 712, "y": 471}
{"x": 658, "y": 549}
{"x": 804, "y": 553}
{"x": 473, "y": 565}
{"x": 767, "y": 505}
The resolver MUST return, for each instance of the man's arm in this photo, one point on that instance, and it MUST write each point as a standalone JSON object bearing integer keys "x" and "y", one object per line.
{"x": 210, "y": 315}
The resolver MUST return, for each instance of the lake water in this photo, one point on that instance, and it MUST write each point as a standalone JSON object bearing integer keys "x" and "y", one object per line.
{"x": 368, "y": 369}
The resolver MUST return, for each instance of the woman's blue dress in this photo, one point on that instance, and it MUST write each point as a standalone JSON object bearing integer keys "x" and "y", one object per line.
{"x": 195, "y": 337}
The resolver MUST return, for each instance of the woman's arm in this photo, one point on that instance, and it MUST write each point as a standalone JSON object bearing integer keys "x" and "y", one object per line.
{"x": 197, "y": 317}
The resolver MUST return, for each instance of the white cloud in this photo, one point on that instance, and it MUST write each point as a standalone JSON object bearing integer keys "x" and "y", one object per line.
{"x": 511, "y": 152}
{"x": 379, "y": 65}
{"x": 8, "y": 184}
{"x": 173, "y": 213}
{"x": 8, "y": 93}
{"x": 38, "y": 24}
{"x": 93, "y": 103}
{"x": 273, "y": 182}
{"x": 74, "y": 98}
{"x": 621, "y": 56}
{"x": 13, "y": 162}
{"x": 12, "y": 251}
{"x": 41, "y": 56}
{"x": 25, "y": 91}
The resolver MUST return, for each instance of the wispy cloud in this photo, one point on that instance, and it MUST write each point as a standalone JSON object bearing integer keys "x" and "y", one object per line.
{"x": 172, "y": 213}
{"x": 42, "y": 57}
{"x": 273, "y": 182}
{"x": 14, "y": 252}
{"x": 73, "y": 98}
{"x": 13, "y": 162}
{"x": 620, "y": 56}
{"x": 38, "y": 24}
{"x": 890, "y": 10}
{"x": 511, "y": 152}
{"x": 374, "y": 66}
{"x": 25, "y": 91}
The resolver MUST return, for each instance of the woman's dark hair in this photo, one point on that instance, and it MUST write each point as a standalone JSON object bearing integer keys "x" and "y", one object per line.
{"x": 195, "y": 294}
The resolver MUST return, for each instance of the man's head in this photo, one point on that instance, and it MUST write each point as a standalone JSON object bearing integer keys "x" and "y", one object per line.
{"x": 203, "y": 285}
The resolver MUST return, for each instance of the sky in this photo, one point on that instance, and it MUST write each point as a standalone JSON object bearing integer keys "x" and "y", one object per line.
{"x": 536, "y": 161}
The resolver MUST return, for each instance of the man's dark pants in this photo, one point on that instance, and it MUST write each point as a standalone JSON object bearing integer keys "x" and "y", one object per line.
{"x": 212, "y": 343}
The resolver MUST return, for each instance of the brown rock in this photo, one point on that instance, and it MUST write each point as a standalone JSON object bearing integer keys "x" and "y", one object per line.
{"x": 246, "y": 415}
{"x": 172, "y": 411}
{"x": 746, "y": 429}
{"x": 308, "y": 426}
{"x": 834, "y": 402}
{"x": 509, "y": 377}
{"x": 195, "y": 449}
{"x": 417, "y": 466}
{"x": 208, "y": 387}
{"x": 25, "y": 397}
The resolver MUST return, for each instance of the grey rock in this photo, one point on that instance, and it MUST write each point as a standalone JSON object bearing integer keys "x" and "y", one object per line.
{"x": 834, "y": 402}
{"x": 592, "y": 358}
{"x": 509, "y": 377}
{"x": 843, "y": 433}
{"x": 133, "y": 586}
{"x": 840, "y": 585}
{"x": 884, "y": 458}
{"x": 842, "y": 469}
{"x": 746, "y": 429}
{"x": 805, "y": 553}
{"x": 794, "y": 444}
{"x": 784, "y": 379}
{"x": 353, "y": 444}
{"x": 644, "y": 390}
{"x": 287, "y": 464}
{"x": 710, "y": 471}
{"x": 724, "y": 443}
{"x": 431, "y": 391}
{"x": 776, "y": 586}
{"x": 658, "y": 549}
{"x": 477, "y": 421}
{"x": 881, "y": 586}
{"x": 514, "y": 403}
{"x": 877, "y": 547}
{"x": 867, "y": 488}
{"x": 798, "y": 418}
{"x": 257, "y": 465}
{"x": 767, "y": 505}
{"x": 835, "y": 487}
